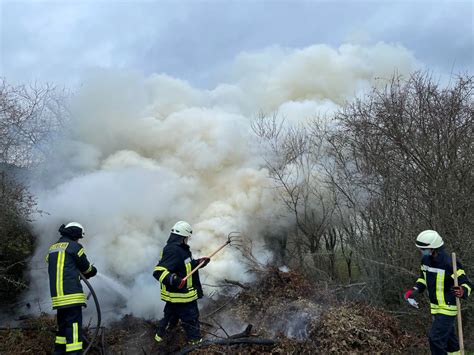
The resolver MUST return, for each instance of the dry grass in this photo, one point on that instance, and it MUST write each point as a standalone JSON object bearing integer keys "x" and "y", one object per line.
{"x": 36, "y": 336}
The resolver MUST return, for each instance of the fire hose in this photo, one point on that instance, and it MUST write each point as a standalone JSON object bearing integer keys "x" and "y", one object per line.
{"x": 97, "y": 307}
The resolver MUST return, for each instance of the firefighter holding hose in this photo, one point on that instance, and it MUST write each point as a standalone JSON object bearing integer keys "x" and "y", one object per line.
{"x": 66, "y": 260}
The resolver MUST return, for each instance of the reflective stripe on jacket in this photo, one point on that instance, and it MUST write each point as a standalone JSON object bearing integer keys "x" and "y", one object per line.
{"x": 66, "y": 259}
{"x": 437, "y": 276}
{"x": 176, "y": 258}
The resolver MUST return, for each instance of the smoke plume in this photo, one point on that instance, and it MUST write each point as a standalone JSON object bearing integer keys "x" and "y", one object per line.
{"x": 144, "y": 152}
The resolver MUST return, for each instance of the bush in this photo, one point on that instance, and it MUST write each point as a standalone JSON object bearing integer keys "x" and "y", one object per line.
{"x": 16, "y": 241}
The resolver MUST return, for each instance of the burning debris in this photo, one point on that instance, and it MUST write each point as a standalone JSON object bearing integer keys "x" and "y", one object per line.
{"x": 303, "y": 317}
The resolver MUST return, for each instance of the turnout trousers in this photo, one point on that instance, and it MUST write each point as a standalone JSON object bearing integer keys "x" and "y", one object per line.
{"x": 69, "y": 334}
{"x": 188, "y": 313}
{"x": 443, "y": 337}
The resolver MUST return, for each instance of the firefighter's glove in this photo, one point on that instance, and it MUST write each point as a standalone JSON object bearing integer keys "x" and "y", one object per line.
{"x": 458, "y": 291}
{"x": 409, "y": 297}
{"x": 91, "y": 273}
{"x": 411, "y": 293}
{"x": 204, "y": 259}
{"x": 175, "y": 280}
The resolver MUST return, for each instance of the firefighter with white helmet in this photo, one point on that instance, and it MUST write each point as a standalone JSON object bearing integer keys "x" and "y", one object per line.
{"x": 181, "y": 298}
{"x": 429, "y": 239}
{"x": 437, "y": 277}
{"x": 183, "y": 229}
{"x": 66, "y": 259}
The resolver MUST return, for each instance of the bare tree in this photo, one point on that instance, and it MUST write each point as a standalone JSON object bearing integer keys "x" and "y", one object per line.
{"x": 389, "y": 165}
{"x": 295, "y": 164}
{"x": 29, "y": 118}
{"x": 405, "y": 158}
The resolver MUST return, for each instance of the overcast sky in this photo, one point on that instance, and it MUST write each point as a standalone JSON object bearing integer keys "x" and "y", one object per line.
{"x": 58, "y": 41}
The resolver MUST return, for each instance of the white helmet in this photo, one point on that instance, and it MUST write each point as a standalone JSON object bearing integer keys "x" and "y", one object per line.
{"x": 77, "y": 225}
{"x": 182, "y": 228}
{"x": 429, "y": 239}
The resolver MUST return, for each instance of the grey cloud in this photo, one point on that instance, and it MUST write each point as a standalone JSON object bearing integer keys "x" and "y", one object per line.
{"x": 195, "y": 40}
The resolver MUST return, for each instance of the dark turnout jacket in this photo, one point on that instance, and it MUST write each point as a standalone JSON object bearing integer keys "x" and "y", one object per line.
{"x": 176, "y": 258}
{"x": 66, "y": 259}
{"x": 438, "y": 278}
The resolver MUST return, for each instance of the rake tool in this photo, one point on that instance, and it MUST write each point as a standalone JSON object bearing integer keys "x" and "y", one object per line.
{"x": 233, "y": 238}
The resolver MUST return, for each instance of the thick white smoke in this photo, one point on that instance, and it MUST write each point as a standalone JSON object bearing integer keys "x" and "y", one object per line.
{"x": 142, "y": 153}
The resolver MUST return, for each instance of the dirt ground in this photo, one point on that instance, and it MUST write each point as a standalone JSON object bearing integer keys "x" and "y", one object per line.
{"x": 285, "y": 312}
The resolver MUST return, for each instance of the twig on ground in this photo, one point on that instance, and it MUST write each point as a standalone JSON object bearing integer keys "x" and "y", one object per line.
{"x": 244, "y": 334}
{"x": 222, "y": 328}
{"x": 219, "y": 308}
{"x": 341, "y": 287}
{"x": 252, "y": 341}
{"x": 236, "y": 283}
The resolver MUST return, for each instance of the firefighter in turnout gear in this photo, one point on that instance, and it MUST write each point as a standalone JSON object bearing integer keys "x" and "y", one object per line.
{"x": 181, "y": 303}
{"x": 66, "y": 259}
{"x": 437, "y": 277}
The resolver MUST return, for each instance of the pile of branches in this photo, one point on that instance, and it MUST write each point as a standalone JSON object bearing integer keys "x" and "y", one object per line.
{"x": 332, "y": 327}
{"x": 362, "y": 328}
